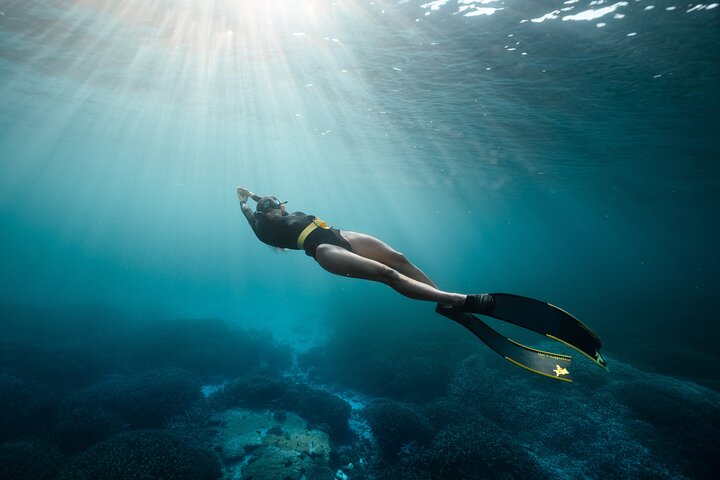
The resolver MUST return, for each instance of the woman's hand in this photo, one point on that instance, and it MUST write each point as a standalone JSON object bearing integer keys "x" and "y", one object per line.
{"x": 243, "y": 193}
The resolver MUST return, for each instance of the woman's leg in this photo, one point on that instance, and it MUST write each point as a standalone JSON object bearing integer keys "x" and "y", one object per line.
{"x": 339, "y": 261}
{"x": 374, "y": 249}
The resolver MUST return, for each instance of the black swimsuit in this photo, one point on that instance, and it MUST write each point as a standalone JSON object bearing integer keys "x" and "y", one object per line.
{"x": 283, "y": 232}
{"x": 320, "y": 236}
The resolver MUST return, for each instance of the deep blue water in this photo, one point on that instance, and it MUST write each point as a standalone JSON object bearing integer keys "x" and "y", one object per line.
{"x": 565, "y": 151}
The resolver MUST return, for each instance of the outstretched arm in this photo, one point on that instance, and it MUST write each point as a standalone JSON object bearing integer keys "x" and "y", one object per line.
{"x": 243, "y": 195}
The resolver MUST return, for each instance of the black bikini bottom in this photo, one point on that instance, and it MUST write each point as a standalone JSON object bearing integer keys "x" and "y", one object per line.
{"x": 325, "y": 235}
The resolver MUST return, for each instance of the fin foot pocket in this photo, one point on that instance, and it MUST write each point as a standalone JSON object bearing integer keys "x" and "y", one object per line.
{"x": 482, "y": 303}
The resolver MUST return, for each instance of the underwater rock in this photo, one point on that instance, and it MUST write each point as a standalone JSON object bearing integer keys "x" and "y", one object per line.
{"x": 144, "y": 400}
{"x": 395, "y": 424}
{"x": 273, "y": 448}
{"x": 143, "y": 454}
{"x": 241, "y": 431}
{"x": 312, "y": 443}
{"x": 272, "y": 463}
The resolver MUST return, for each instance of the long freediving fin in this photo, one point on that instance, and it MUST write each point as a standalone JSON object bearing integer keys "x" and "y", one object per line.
{"x": 548, "y": 364}
{"x": 548, "y": 320}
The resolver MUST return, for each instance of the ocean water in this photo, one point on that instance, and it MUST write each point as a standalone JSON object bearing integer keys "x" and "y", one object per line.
{"x": 561, "y": 150}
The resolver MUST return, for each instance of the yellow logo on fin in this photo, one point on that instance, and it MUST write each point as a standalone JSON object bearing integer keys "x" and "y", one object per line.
{"x": 560, "y": 371}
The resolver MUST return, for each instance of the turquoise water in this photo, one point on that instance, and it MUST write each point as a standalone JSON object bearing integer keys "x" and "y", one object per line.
{"x": 565, "y": 151}
{"x": 570, "y": 160}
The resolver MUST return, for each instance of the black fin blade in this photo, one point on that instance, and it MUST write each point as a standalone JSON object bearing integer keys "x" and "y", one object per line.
{"x": 548, "y": 320}
{"x": 548, "y": 364}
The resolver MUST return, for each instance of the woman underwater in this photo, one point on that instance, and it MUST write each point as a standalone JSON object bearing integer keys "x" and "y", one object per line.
{"x": 349, "y": 254}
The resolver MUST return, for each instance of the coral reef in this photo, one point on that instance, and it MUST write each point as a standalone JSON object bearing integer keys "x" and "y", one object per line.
{"x": 395, "y": 424}
{"x": 36, "y": 460}
{"x": 26, "y": 408}
{"x": 476, "y": 449}
{"x": 79, "y": 409}
{"x": 322, "y": 409}
{"x": 66, "y": 352}
{"x": 254, "y": 390}
{"x": 471, "y": 449}
{"x": 82, "y": 427}
{"x": 660, "y": 427}
{"x": 685, "y": 419}
{"x": 406, "y": 364}
{"x": 143, "y": 454}
{"x": 207, "y": 348}
{"x": 144, "y": 400}
{"x": 195, "y": 425}
{"x": 61, "y": 367}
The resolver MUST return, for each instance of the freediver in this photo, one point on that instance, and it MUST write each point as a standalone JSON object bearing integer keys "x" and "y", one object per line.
{"x": 349, "y": 254}
{"x": 357, "y": 255}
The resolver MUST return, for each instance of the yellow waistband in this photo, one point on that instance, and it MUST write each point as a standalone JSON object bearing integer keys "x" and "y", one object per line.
{"x": 308, "y": 230}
